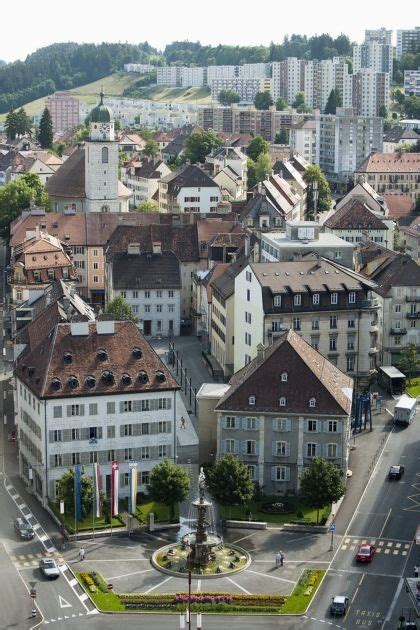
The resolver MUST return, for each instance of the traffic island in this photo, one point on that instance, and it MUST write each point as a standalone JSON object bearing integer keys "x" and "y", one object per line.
{"x": 297, "y": 603}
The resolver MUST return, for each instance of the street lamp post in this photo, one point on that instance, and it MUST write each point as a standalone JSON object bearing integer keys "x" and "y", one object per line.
{"x": 315, "y": 193}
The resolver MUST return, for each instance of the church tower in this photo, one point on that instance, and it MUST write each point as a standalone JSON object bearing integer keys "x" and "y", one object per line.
{"x": 101, "y": 162}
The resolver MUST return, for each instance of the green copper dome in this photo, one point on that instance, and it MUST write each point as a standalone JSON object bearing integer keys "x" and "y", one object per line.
{"x": 101, "y": 113}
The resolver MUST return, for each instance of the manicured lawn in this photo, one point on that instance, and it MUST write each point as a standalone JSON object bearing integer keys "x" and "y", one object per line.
{"x": 292, "y": 507}
{"x": 86, "y": 523}
{"x": 161, "y": 511}
{"x": 414, "y": 388}
{"x": 105, "y": 600}
{"x": 301, "y": 596}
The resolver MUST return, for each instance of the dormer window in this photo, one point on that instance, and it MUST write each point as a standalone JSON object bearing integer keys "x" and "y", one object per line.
{"x": 312, "y": 402}
{"x": 251, "y": 400}
{"x": 315, "y": 298}
{"x": 282, "y": 401}
{"x": 284, "y": 377}
{"x": 277, "y": 300}
{"x": 350, "y": 225}
{"x": 334, "y": 298}
{"x": 297, "y": 300}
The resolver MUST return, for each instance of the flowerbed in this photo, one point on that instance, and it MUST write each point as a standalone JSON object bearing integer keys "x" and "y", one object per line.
{"x": 88, "y": 580}
{"x": 216, "y": 602}
{"x": 302, "y": 594}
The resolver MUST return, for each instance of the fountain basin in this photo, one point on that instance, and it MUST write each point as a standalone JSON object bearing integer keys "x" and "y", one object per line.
{"x": 173, "y": 560}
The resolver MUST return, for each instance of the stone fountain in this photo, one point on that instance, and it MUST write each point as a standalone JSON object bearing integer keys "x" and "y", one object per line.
{"x": 202, "y": 551}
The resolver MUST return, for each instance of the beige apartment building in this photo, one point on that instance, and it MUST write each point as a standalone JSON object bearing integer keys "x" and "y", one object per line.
{"x": 392, "y": 173}
{"x": 64, "y": 109}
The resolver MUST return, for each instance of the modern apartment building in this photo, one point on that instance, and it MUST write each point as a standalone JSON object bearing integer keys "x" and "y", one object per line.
{"x": 370, "y": 92}
{"x": 288, "y": 78}
{"x": 330, "y": 305}
{"x": 193, "y": 77}
{"x": 302, "y": 139}
{"x": 93, "y": 392}
{"x": 289, "y": 405}
{"x": 140, "y": 68}
{"x": 344, "y": 141}
{"x": 246, "y": 88}
{"x": 408, "y": 41}
{"x": 64, "y": 109}
{"x": 373, "y": 55}
{"x": 168, "y": 76}
{"x": 412, "y": 81}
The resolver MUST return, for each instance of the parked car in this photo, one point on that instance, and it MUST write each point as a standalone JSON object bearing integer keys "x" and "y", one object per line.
{"x": 365, "y": 553}
{"x": 396, "y": 472}
{"x": 49, "y": 568}
{"x": 339, "y": 605}
{"x": 23, "y": 529}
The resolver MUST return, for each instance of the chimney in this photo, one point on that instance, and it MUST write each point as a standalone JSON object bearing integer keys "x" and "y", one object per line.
{"x": 318, "y": 261}
{"x": 105, "y": 326}
{"x": 246, "y": 246}
{"x": 133, "y": 248}
{"x": 79, "y": 328}
{"x": 157, "y": 247}
{"x": 260, "y": 188}
{"x": 260, "y": 352}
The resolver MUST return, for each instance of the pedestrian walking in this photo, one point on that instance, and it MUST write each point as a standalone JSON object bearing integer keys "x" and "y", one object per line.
{"x": 82, "y": 553}
{"x": 183, "y": 422}
{"x": 278, "y": 558}
{"x": 416, "y": 571}
{"x": 281, "y": 558}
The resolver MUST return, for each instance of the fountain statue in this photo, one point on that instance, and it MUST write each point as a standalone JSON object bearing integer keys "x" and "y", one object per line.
{"x": 201, "y": 551}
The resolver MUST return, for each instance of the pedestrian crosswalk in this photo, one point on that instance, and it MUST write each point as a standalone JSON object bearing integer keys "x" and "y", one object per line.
{"x": 384, "y": 547}
{"x": 26, "y": 560}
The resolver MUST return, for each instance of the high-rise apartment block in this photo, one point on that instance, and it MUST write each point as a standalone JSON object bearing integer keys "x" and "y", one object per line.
{"x": 246, "y": 89}
{"x": 344, "y": 141}
{"x": 370, "y": 92}
{"x": 412, "y": 82}
{"x": 408, "y": 41}
{"x": 64, "y": 109}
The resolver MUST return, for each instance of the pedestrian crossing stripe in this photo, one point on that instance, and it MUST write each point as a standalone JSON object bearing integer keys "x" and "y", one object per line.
{"x": 382, "y": 546}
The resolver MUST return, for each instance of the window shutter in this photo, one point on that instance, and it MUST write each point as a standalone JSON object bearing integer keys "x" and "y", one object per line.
{"x": 67, "y": 460}
{"x": 154, "y": 452}
{"x": 136, "y": 405}
{"x": 66, "y": 435}
{"x": 339, "y": 427}
{"x": 243, "y": 446}
{"x": 121, "y": 406}
{"x": 326, "y": 426}
{"x": 287, "y": 449}
{"x": 257, "y": 448}
{"x": 288, "y": 424}
{"x": 52, "y": 461}
{"x": 273, "y": 473}
{"x": 102, "y": 457}
{"x": 223, "y": 422}
{"x": 325, "y": 450}
{"x": 223, "y": 446}
{"x": 319, "y": 450}
{"x": 68, "y": 411}
{"x": 287, "y": 474}
{"x": 244, "y": 423}
{"x": 122, "y": 430}
{"x": 236, "y": 447}
{"x": 51, "y": 436}
{"x": 274, "y": 448}
{"x": 338, "y": 450}
{"x": 99, "y": 432}
{"x": 275, "y": 424}
{"x": 306, "y": 425}
{"x": 153, "y": 428}
{"x": 257, "y": 424}
{"x": 318, "y": 426}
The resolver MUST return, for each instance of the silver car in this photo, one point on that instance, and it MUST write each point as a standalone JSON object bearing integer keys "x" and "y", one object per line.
{"x": 49, "y": 568}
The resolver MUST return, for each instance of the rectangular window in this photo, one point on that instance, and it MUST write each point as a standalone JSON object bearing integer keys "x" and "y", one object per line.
{"x": 127, "y": 405}
{"x": 251, "y": 472}
{"x": 277, "y": 300}
{"x": 110, "y": 431}
{"x": 296, "y": 323}
{"x": 248, "y": 276}
{"x": 281, "y": 449}
{"x": 251, "y": 424}
{"x": 352, "y": 297}
{"x": 145, "y": 452}
{"x": 128, "y": 454}
{"x": 297, "y": 300}
{"x": 158, "y": 308}
{"x": 312, "y": 425}
{"x": 247, "y": 359}
{"x": 281, "y": 473}
{"x": 96, "y": 265}
{"x": 398, "y": 308}
{"x": 332, "y": 426}
{"x": 95, "y": 279}
{"x": 315, "y": 298}
{"x": 159, "y": 293}
{"x": 126, "y": 479}
{"x": 75, "y": 458}
{"x": 75, "y": 410}
{"x": 231, "y": 422}
{"x": 334, "y": 298}
{"x": 351, "y": 322}
{"x": 251, "y": 447}
{"x": 332, "y": 451}
{"x": 57, "y": 435}
{"x": 75, "y": 434}
{"x": 128, "y": 430}
{"x": 315, "y": 323}
{"x": 58, "y": 460}
{"x": 248, "y": 295}
{"x": 170, "y": 293}
{"x": 350, "y": 342}
{"x": 110, "y": 456}
{"x": 93, "y": 409}
{"x": 350, "y": 364}
{"x": 333, "y": 321}
{"x": 147, "y": 308}
{"x": 162, "y": 451}
{"x": 123, "y": 294}
{"x": 93, "y": 457}
{"x": 171, "y": 308}
{"x": 147, "y": 294}
{"x": 145, "y": 477}
{"x": 95, "y": 252}
{"x": 135, "y": 295}
{"x": 247, "y": 317}
{"x": 333, "y": 344}
{"x": 248, "y": 339}
{"x": 230, "y": 446}
{"x": 145, "y": 428}
{"x": 58, "y": 412}
{"x": 311, "y": 449}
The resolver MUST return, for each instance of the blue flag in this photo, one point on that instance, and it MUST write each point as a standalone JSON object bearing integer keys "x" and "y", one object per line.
{"x": 78, "y": 491}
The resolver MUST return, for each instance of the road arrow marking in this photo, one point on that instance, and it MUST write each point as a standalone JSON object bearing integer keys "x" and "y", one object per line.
{"x": 63, "y": 603}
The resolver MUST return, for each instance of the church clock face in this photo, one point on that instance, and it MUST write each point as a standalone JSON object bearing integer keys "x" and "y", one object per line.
{"x": 103, "y": 128}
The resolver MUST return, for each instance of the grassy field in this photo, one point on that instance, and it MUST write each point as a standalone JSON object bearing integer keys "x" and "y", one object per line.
{"x": 294, "y": 511}
{"x": 414, "y": 388}
{"x": 160, "y": 511}
{"x": 115, "y": 84}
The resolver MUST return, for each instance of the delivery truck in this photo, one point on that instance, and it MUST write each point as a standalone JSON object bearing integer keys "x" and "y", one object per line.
{"x": 405, "y": 410}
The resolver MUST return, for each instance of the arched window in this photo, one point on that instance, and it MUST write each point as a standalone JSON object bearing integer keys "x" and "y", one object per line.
{"x": 104, "y": 155}
{"x": 105, "y": 209}
{"x": 251, "y": 400}
{"x": 284, "y": 377}
{"x": 282, "y": 401}
{"x": 312, "y": 402}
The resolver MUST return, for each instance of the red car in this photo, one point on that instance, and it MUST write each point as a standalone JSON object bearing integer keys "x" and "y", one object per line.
{"x": 365, "y": 553}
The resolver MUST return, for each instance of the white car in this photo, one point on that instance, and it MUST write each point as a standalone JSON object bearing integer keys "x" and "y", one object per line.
{"x": 49, "y": 568}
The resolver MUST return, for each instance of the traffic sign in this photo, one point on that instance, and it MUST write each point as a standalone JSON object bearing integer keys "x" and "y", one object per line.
{"x": 332, "y": 527}
{"x": 33, "y": 593}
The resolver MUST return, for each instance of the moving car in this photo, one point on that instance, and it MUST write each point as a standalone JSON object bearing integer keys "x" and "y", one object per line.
{"x": 396, "y": 472}
{"x": 405, "y": 410}
{"x": 339, "y": 605}
{"x": 23, "y": 529}
{"x": 49, "y": 568}
{"x": 365, "y": 553}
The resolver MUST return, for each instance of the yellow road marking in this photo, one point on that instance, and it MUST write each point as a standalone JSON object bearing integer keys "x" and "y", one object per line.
{"x": 386, "y": 551}
{"x": 343, "y": 547}
{"x": 386, "y": 521}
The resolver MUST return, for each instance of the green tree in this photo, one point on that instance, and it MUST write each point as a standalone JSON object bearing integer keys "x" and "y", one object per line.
{"x": 145, "y": 132}
{"x": 200, "y": 144}
{"x": 321, "y": 484}
{"x": 148, "y": 205}
{"x": 45, "y": 134}
{"x": 11, "y": 125}
{"x": 334, "y": 101}
{"x": 408, "y": 359}
{"x": 412, "y": 107}
{"x": 263, "y": 100}
{"x": 382, "y": 113}
{"x": 281, "y": 104}
{"x": 15, "y": 197}
{"x": 120, "y": 309}
{"x": 314, "y": 174}
{"x": 23, "y": 123}
{"x": 227, "y": 97}
{"x": 281, "y": 137}
{"x": 169, "y": 484}
{"x": 151, "y": 148}
{"x": 229, "y": 482}
{"x": 257, "y": 146}
{"x": 66, "y": 493}
{"x": 299, "y": 103}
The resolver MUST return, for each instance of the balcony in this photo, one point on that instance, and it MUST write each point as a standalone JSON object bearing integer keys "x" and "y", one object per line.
{"x": 398, "y": 331}
{"x": 413, "y": 315}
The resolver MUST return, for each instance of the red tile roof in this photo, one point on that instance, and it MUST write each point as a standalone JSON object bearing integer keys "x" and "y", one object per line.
{"x": 399, "y": 205}
{"x": 354, "y": 215}
{"x": 390, "y": 163}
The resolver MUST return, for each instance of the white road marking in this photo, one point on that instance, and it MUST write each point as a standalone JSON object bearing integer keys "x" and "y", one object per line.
{"x": 243, "y": 538}
{"x": 21, "y": 506}
{"x": 63, "y": 602}
{"x": 117, "y": 577}
{"x": 239, "y": 586}
{"x": 73, "y": 582}
{"x": 157, "y": 585}
{"x": 273, "y": 577}
{"x": 83, "y": 597}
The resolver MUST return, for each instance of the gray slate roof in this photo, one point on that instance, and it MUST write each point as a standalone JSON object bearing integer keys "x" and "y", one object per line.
{"x": 146, "y": 271}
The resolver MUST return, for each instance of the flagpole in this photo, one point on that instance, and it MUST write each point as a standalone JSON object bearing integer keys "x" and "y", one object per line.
{"x": 93, "y": 501}
{"x": 74, "y": 496}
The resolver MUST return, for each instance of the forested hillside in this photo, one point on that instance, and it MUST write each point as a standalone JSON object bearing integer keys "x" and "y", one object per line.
{"x": 64, "y": 66}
